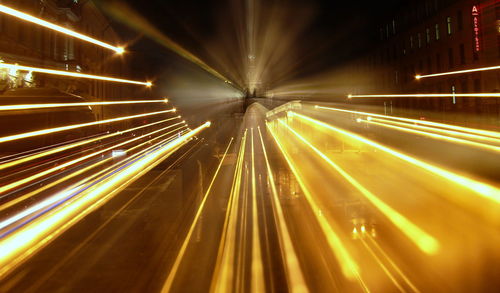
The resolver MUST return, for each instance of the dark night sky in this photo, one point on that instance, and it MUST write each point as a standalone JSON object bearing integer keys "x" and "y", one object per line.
{"x": 337, "y": 30}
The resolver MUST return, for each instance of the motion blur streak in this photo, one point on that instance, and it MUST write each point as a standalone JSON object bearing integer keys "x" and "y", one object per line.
{"x": 35, "y": 20}
{"x": 347, "y": 263}
{"x": 72, "y": 162}
{"x": 418, "y": 76}
{"x": 224, "y": 272}
{"x": 54, "y": 183}
{"x": 59, "y": 105}
{"x": 76, "y": 144}
{"x": 180, "y": 255}
{"x": 120, "y": 11}
{"x": 81, "y": 171}
{"x": 257, "y": 283}
{"x": 381, "y": 264}
{"x": 294, "y": 274}
{"x": 424, "y": 241}
{"x": 18, "y": 246}
{"x": 72, "y": 74}
{"x": 476, "y": 95}
{"x": 483, "y": 189}
{"x": 467, "y": 131}
{"x": 74, "y": 126}
{"x": 408, "y": 128}
{"x": 393, "y": 265}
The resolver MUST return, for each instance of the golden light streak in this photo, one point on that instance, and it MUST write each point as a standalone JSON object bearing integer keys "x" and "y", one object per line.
{"x": 73, "y": 145}
{"x": 423, "y": 240}
{"x": 63, "y": 30}
{"x": 26, "y": 212}
{"x": 223, "y": 273}
{"x": 475, "y": 95}
{"x": 74, "y": 126}
{"x": 294, "y": 275}
{"x": 72, "y": 74}
{"x": 173, "y": 271}
{"x": 18, "y": 246}
{"x": 60, "y": 105}
{"x": 407, "y": 128}
{"x": 480, "y": 188}
{"x": 347, "y": 264}
{"x": 257, "y": 280}
{"x": 467, "y": 130}
{"x": 394, "y": 266}
{"x": 418, "y": 76}
{"x": 51, "y": 184}
{"x": 41, "y": 174}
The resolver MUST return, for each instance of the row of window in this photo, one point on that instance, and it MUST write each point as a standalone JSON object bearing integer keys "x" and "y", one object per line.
{"x": 416, "y": 41}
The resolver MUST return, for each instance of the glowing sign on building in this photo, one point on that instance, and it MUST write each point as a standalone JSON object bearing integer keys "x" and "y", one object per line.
{"x": 475, "y": 24}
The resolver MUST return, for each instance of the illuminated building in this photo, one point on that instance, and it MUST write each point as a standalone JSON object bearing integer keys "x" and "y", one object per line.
{"x": 29, "y": 44}
{"x": 436, "y": 36}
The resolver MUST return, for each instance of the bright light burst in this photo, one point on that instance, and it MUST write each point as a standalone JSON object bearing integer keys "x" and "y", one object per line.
{"x": 55, "y": 27}
{"x": 72, "y": 74}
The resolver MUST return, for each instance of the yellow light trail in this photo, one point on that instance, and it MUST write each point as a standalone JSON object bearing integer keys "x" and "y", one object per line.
{"x": 52, "y": 151}
{"x": 223, "y": 275}
{"x": 294, "y": 275}
{"x": 475, "y": 95}
{"x": 173, "y": 271}
{"x": 467, "y": 130}
{"x": 24, "y": 197}
{"x": 394, "y": 266}
{"x": 423, "y": 240}
{"x": 72, "y": 74}
{"x": 34, "y": 208}
{"x": 70, "y": 254}
{"x": 257, "y": 278}
{"x": 21, "y": 244}
{"x": 382, "y": 265}
{"x": 408, "y": 128}
{"x": 347, "y": 264}
{"x": 41, "y": 174}
{"x": 418, "y": 76}
{"x": 55, "y": 27}
{"x": 61, "y": 105}
{"x": 74, "y": 126}
{"x": 483, "y": 189}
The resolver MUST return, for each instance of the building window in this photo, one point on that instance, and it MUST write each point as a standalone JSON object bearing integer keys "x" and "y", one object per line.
{"x": 462, "y": 54}
{"x": 453, "y": 91}
{"x": 448, "y": 25}
{"x": 428, "y": 35}
{"x": 450, "y": 58}
{"x": 381, "y": 34}
{"x": 419, "y": 40}
{"x": 437, "y": 31}
{"x": 393, "y": 26}
{"x": 411, "y": 42}
{"x": 460, "y": 20}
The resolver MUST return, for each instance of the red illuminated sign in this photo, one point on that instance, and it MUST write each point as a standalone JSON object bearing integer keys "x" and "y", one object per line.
{"x": 475, "y": 24}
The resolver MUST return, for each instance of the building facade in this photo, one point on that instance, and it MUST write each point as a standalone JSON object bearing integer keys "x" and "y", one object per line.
{"x": 29, "y": 44}
{"x": 434, "y": 36}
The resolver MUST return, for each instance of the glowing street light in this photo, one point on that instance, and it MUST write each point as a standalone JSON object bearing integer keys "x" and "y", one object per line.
{"x": 418, "y": 76}
{"x": 476, "y": 95}
{"x": 59, "y": 105}
{"x": 75, "y": 126}
{"x": 72, "y": 74}
{"x": 63, "y": 30}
